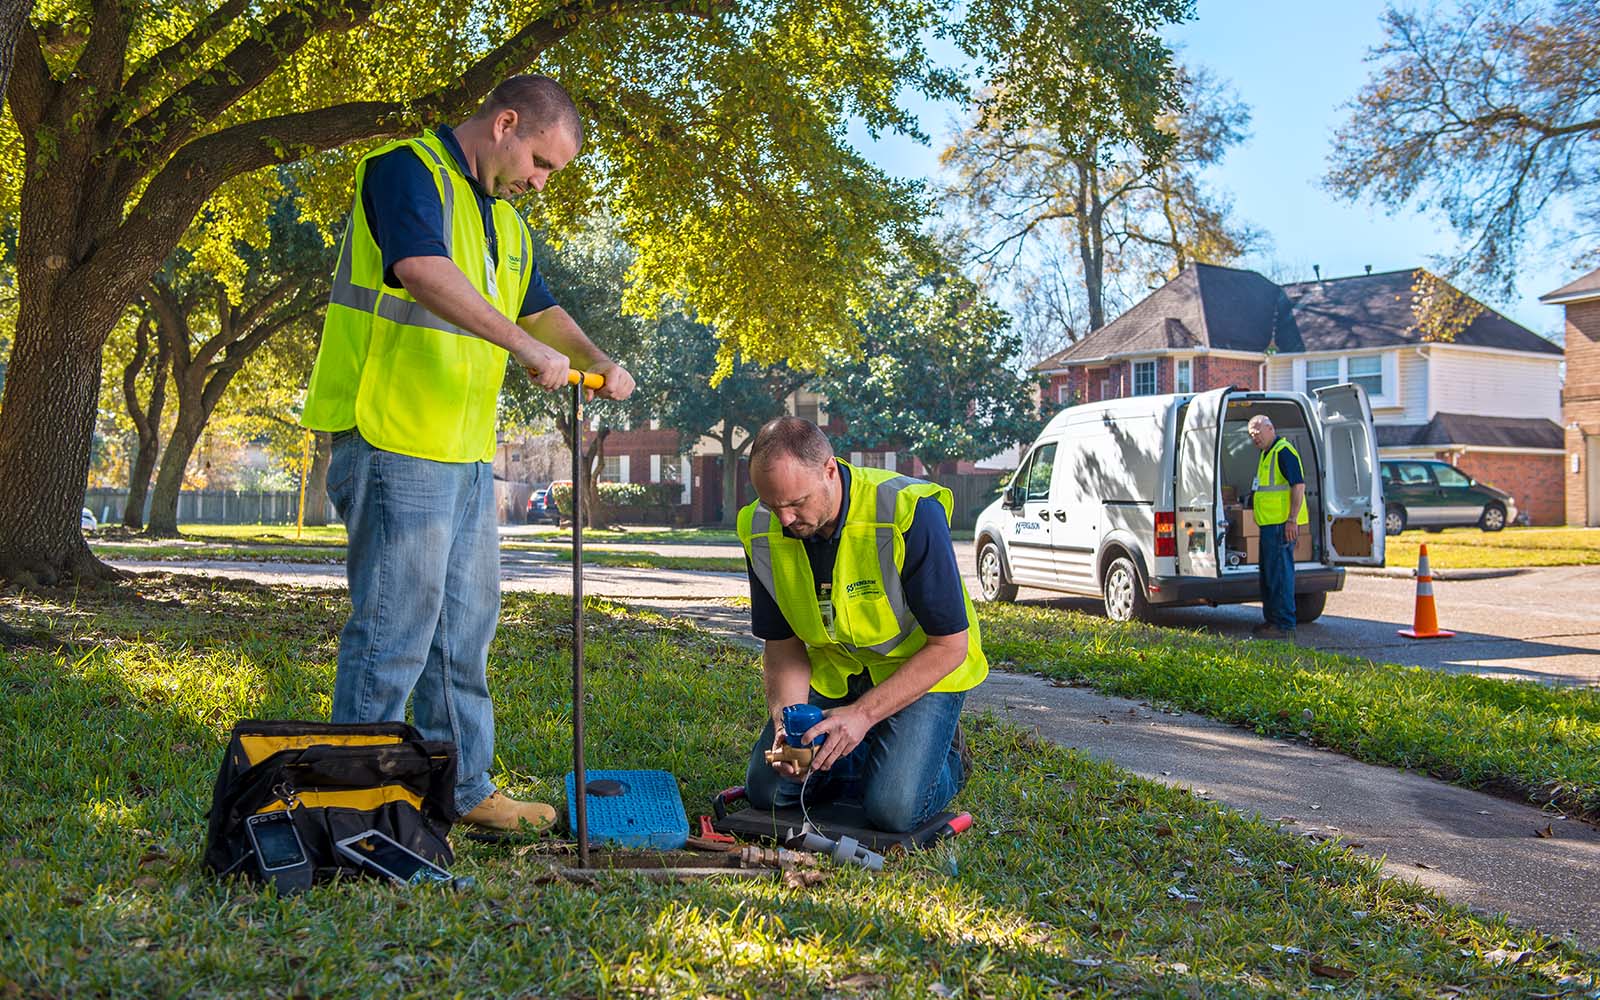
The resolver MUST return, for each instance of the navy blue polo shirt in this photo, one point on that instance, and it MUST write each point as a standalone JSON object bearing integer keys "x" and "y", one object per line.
{"x": 930, "y": 576}
{"x": 407, "y": 219}
{"x": 1289, "y": 468}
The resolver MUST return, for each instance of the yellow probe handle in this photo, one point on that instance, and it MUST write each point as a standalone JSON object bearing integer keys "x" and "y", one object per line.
{"x": 589, "y": 379}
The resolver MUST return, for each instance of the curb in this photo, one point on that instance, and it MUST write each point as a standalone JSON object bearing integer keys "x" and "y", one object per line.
{"x": 1439, "y": 574}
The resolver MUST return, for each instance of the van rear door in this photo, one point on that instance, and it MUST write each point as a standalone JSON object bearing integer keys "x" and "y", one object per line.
{"x": 1198, "y": 490}
{"x": 1352, "y": 491}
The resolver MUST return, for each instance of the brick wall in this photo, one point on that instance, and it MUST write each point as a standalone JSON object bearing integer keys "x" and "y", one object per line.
{"x": 1580, "y": 402}
{"x": 1535, "y": 481}
{"x": 1215, "y": 373}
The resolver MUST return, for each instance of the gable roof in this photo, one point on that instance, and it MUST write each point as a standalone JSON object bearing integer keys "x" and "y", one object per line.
{"x": 1374, "y": 310}
{"x": 1586, "y": 287}
{"x": 1205, "y": 306}
{"x": 1225, "y": 308}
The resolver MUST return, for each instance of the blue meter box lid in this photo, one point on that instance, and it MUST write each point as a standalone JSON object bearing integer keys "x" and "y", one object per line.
{"x": 640, "y": 809}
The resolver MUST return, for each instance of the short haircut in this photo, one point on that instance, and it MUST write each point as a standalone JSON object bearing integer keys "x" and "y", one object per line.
{"x": 539, "y": 102}
{"x": 793, "y": 437}
{"x": 1261, "y": 419}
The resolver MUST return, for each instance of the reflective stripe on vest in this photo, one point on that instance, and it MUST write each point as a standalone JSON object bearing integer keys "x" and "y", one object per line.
{"x": 835, "y": 655}
{"x": 1270, "y": 497}
{"x": 412, "y": 382}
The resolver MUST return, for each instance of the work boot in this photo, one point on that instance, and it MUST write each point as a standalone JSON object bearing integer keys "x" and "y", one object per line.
{"x": 503, "y": 813}
{"x": 1260, "y": 627}
{"x": 1274, "y": 632}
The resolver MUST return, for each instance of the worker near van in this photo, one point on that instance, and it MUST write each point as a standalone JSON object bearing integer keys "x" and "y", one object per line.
{"x": 435, "y": 287}
{"x": 856, "y": 595}
{"x": 1278, "y": 498}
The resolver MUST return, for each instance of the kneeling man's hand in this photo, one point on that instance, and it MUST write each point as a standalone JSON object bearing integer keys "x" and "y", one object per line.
{"x": 845, "y": 727}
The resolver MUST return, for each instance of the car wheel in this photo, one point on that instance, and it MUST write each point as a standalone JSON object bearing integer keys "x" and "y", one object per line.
{"x": 1394, "y": 519}
{"x": 992, "y": 581}
{"x": 1493, "y": 519}
{"x": 1124, "y": 596}
{"x": 1309, "y": 607}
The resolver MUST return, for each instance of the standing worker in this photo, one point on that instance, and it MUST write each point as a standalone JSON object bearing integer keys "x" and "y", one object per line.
{"x": 435, "y": 287}
{"x": 855, "y": 591}
{"x": 1278, "y": 497}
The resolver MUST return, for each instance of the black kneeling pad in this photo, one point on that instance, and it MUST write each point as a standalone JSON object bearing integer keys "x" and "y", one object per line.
{"x": 835, "y": 820}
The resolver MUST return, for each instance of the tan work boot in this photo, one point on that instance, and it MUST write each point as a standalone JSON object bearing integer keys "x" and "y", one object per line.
{"x": 501, "y": 812}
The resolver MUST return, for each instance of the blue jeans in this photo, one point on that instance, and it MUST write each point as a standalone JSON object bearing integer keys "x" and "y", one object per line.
{"x": 905, "y": 772}
{"x": 424, "y": 572}
{"x": 1276, "y": 571}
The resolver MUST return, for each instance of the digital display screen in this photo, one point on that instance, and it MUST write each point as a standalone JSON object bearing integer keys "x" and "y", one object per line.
{"x": 383, "y": 853}
{"x": 277, "y": 843}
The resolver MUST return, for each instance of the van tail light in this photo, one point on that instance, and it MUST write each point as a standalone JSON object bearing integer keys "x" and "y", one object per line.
{"x": 1166, "y": 534}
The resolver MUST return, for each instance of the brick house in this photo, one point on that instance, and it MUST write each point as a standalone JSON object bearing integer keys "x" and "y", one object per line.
{"x": 1580, "y": 403}
{"x": 1487, "y": 402}
{"x": 651, "y": 454}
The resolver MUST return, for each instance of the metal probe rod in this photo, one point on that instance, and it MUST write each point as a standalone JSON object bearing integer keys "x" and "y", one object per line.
{"x": 580, "y": 789}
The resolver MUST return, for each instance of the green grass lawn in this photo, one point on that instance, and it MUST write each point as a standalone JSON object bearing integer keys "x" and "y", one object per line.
{"x": 1470, "y": 548}
{"x": 642, "y": 535}
{"x": 1078, "y": 879}
{"x": 1524, "y": 738}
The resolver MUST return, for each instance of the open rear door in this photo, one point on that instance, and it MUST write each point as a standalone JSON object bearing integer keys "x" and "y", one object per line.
{"x": 1198, "y": 491}
{"x": 1352, "y": 491}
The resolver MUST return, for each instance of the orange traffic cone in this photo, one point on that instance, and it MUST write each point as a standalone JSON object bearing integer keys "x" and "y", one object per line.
{"x": 1425, "y": 622}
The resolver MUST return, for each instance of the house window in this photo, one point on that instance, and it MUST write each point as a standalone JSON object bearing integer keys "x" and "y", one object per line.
{"x": 872, "y": 460}
{"x": 811, "y": 411}
{"x": 612, "y": 470}
{"x": 1183, "y": 377}
{"x": 1367, "y": 372}
{"x": 669, "y": 468}
{"x": 1144, "y": 378}
{"x": 1062, "y": 393}
{"x": 1322, "y": 373}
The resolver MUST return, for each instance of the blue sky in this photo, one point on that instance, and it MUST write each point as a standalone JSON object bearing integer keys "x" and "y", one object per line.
{"x": 1295, "y": 65}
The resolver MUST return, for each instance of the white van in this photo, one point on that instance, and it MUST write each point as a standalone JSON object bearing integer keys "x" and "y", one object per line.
{"x": 1124, "y": 500}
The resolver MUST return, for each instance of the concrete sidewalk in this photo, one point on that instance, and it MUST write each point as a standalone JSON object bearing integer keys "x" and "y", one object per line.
{"x": 1475, "y": 849}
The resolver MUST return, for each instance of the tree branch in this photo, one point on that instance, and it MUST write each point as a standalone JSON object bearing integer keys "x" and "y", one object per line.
{"x": 165, "y": 62}
{"x": 31, "y": 89}
{"x": 100, "y": 64}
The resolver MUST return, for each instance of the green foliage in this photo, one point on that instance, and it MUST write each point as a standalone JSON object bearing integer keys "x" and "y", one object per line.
{"x": 1078, "y": 878}
{"x": 937, "y": 374}
{"x": 622, "y": 495}
{"x": 1488, "y": 113}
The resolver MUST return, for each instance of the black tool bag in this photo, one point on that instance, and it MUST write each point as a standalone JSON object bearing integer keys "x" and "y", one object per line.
{"x": 333, "y": 781}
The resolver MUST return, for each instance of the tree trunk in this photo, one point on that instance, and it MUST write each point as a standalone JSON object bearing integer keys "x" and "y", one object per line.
{"x": 169, "y": 481}
{"x": 13, "y": 15}
{"x": 146, "y": 423}
{"x": 317, "y": 480}
{"x": 47, "y": 415}
{"x": 594, "y": 462}
{"x": 730, "y": 480}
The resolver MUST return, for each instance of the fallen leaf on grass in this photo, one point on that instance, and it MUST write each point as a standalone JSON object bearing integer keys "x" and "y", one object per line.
{"x": 1424, "y": 864}
{"x": 1088, "y": 963}
{"x": 867, "y": 981}
{"x": 1548, "y": 831}
{"x": 1330, "y": 971}
{"x": 1163, "y": 831}
{"x": 1506, "y": 956}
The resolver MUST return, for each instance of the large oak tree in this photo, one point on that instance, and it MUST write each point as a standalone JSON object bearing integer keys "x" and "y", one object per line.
{"x": 717, "y": 140}
{"x": 1488, "y": 112}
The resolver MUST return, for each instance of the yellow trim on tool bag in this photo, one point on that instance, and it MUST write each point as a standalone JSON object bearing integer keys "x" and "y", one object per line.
{"x": 259, "y": 748}
{"x": 349, "y": 798}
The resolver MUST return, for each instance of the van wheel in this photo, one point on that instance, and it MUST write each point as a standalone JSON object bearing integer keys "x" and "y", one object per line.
{"x": 1125, "y": 600}
{"x": 1309, "y": 607}
{"x": 1394, "y": 520}
{"x": 992, "y": 581}
{"x": 1493, "y": 519}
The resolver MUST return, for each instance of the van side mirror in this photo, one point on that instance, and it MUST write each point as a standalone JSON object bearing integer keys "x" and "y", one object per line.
{"x": 1011, "y": 498}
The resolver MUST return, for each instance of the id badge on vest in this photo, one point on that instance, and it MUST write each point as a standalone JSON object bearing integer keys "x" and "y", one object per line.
{"x": 491, "y": 288}
{"x": 825, "y": 607}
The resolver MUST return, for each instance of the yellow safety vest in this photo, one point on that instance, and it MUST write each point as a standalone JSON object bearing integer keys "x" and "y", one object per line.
{"x": 873, "y": 627}
{"x": 1269, "y": 493}
{"x": 409, "y": 381}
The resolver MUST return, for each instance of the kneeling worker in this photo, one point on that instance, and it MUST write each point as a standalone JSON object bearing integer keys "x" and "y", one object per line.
{"x": 855, "y": 591}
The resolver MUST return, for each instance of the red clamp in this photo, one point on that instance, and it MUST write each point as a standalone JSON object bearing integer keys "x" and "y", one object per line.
{"x": 707, "y": 833}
